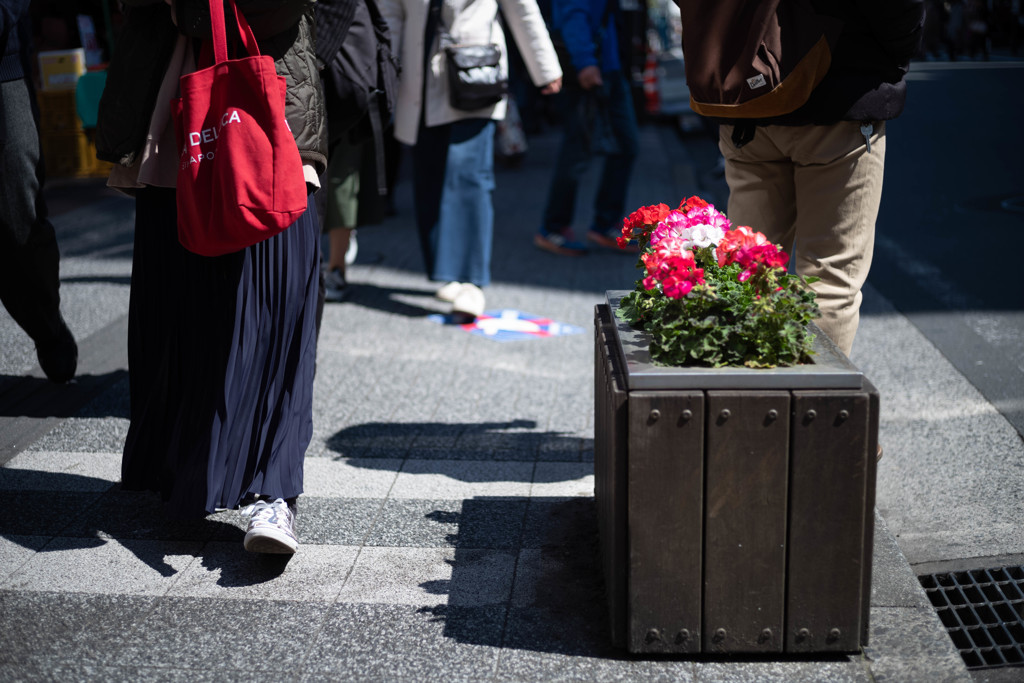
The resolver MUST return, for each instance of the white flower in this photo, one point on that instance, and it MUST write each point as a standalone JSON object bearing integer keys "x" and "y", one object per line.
{"x": 705, "y": 235}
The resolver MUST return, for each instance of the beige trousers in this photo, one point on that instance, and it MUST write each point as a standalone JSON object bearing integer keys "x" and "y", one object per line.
{"x": 815, "y": 190}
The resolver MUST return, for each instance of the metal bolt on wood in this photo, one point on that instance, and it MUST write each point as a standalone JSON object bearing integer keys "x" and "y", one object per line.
{"x": 725, "y": 414}
{"x": 833, "y": 635}
{"x": 653, "y": 635}
{"x": 720, "y": 635}
{"x": 687, "y": 415}
{"x": 655, "y": 414}
{"x": 802, "y": 635}
{"x": 683, "y": 636}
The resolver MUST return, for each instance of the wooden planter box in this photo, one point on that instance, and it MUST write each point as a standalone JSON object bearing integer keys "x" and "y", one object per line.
{"x": 735, "y": 506}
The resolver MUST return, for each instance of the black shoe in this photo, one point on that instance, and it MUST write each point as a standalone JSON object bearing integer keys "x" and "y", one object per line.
{"x": 335, "y": 285}
{"x": 59, "y": 357}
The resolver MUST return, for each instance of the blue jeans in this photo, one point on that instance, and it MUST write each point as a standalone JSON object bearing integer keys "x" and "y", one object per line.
{"x": 453, "y": 178}
{"x": 575, "y": 157}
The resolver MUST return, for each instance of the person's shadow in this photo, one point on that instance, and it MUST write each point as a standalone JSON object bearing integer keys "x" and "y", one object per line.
{"x": 63, "y": 511}
{"x": 515, "y": 439}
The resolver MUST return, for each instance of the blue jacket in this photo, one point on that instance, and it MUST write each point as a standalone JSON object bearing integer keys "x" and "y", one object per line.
{"x": 579, "y": 22}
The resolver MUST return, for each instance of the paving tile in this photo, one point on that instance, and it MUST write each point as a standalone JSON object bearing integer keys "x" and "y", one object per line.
{"x": 470, "y": 523}
{"x": 532, "y": 665}
{"x": 402, "y": 642}
{"x": 43, "y": 512}
{"x": 438, "y": 436}
{"x": 96, "y": 565}
{"x": 377, "y": 435}
{"x": 57, "y": 471}
{"x": 561, "y": 630}
{"x": 258, "y": 636}
{"x": 50, "y": 628}
{"x": 430, "y": 576}
{"x": 563, "y": 479}
{"x": 16, "y": 550}
{"x": 86, "y": 672}
{"x": 558, "y": 579}
{"x": 437, "y": 479}
{"x": 105, "y": 435}
{"x": 335, "y": 521}
{"x": 349, "y": 477}
{"x": 365, "y": 452}
{"x": 492, "y": 453}
{"x": 495, "y": 438}
{"x": 783, "y": 672}
{"x": 141, "y": 515}
{"x": 910, "y": 644}
{"x": 893, "y": 582}
{"x": 561, "y": 448}
{"x": 569, "y": 523}
{"x": 315, "y": 573}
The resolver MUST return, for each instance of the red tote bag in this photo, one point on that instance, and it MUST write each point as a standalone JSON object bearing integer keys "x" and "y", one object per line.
{"x": 240, "y": 176}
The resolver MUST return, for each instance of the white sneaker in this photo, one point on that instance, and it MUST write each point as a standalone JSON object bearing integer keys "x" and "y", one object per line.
{"x": 469, "y": 302}
{"x": 449, "y": 292}
{"x": 270, "y": 528}
{"x": 353, "y": 249}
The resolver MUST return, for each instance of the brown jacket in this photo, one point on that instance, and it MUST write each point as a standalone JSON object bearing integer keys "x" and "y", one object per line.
{"x": 869, "y": 45}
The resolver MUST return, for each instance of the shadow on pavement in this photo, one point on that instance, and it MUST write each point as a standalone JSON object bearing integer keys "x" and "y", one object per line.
{"x": 76, "y": 512}
{"x": 480, "y": 441}
{"x": 557, "y": 600}
{"x": 22, "y": 396}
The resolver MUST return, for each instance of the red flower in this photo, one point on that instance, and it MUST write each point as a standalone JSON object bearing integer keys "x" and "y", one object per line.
{"x": 692, "y": 203}
{"x": 736, "y": 239}
{"x": 643, "y": 220}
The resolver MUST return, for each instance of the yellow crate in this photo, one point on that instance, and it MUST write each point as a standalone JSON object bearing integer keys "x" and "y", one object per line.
{"x": 58, "y": 112}
{"x": 72, "y": 155}
{"x": 101, "y": 169}
{"x": 60, "y": 69}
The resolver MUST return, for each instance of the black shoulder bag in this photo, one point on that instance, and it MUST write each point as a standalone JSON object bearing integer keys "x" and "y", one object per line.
{"x": 475, "y": 80}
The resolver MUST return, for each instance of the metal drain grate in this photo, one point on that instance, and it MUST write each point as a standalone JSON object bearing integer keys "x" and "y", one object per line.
{"x": 983, "y": 610}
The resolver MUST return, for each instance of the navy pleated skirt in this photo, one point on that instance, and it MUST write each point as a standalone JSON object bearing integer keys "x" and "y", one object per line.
{"x": 221, "y": 356}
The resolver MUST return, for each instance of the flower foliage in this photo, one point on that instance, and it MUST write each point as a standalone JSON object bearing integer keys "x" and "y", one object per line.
{"x": 713, "y": 294}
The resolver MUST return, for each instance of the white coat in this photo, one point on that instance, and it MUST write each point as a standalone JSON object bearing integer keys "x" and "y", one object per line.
{"x": 469, "y": 22}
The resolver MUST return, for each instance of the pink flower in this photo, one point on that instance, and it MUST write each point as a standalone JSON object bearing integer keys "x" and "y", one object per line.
{"x": 700, "y": 219}
{"x": 757, "y": 258}
{"x": 673, "y": 267}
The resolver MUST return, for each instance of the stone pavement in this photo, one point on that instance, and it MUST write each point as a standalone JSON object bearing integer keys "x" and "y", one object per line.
{"x": 448, "y": 527}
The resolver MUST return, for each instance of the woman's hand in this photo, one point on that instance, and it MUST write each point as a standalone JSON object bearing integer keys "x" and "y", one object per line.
{"x": 552, "y": 87}
{"x": 590, "y": 77}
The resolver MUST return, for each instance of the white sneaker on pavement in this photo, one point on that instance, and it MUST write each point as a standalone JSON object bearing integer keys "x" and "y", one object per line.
{"x": 469, "y": 302}
{"x": 271, "y": 527}
{"x": 448, "y": 292}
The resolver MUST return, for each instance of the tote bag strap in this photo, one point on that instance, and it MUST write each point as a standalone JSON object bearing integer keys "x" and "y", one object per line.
{"x": 220, "y": 37}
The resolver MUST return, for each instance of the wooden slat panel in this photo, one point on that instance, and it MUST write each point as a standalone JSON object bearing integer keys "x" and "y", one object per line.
{"x": 869, "y": 508}
{"x": 745, "y": 520}
{"x": 610, "y": 457}
{"x": 827, "y": 511}
{"x": 665, "y": 520}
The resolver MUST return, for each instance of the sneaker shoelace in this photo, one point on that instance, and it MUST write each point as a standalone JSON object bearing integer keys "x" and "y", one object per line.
{"x": 275, "y": 513}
